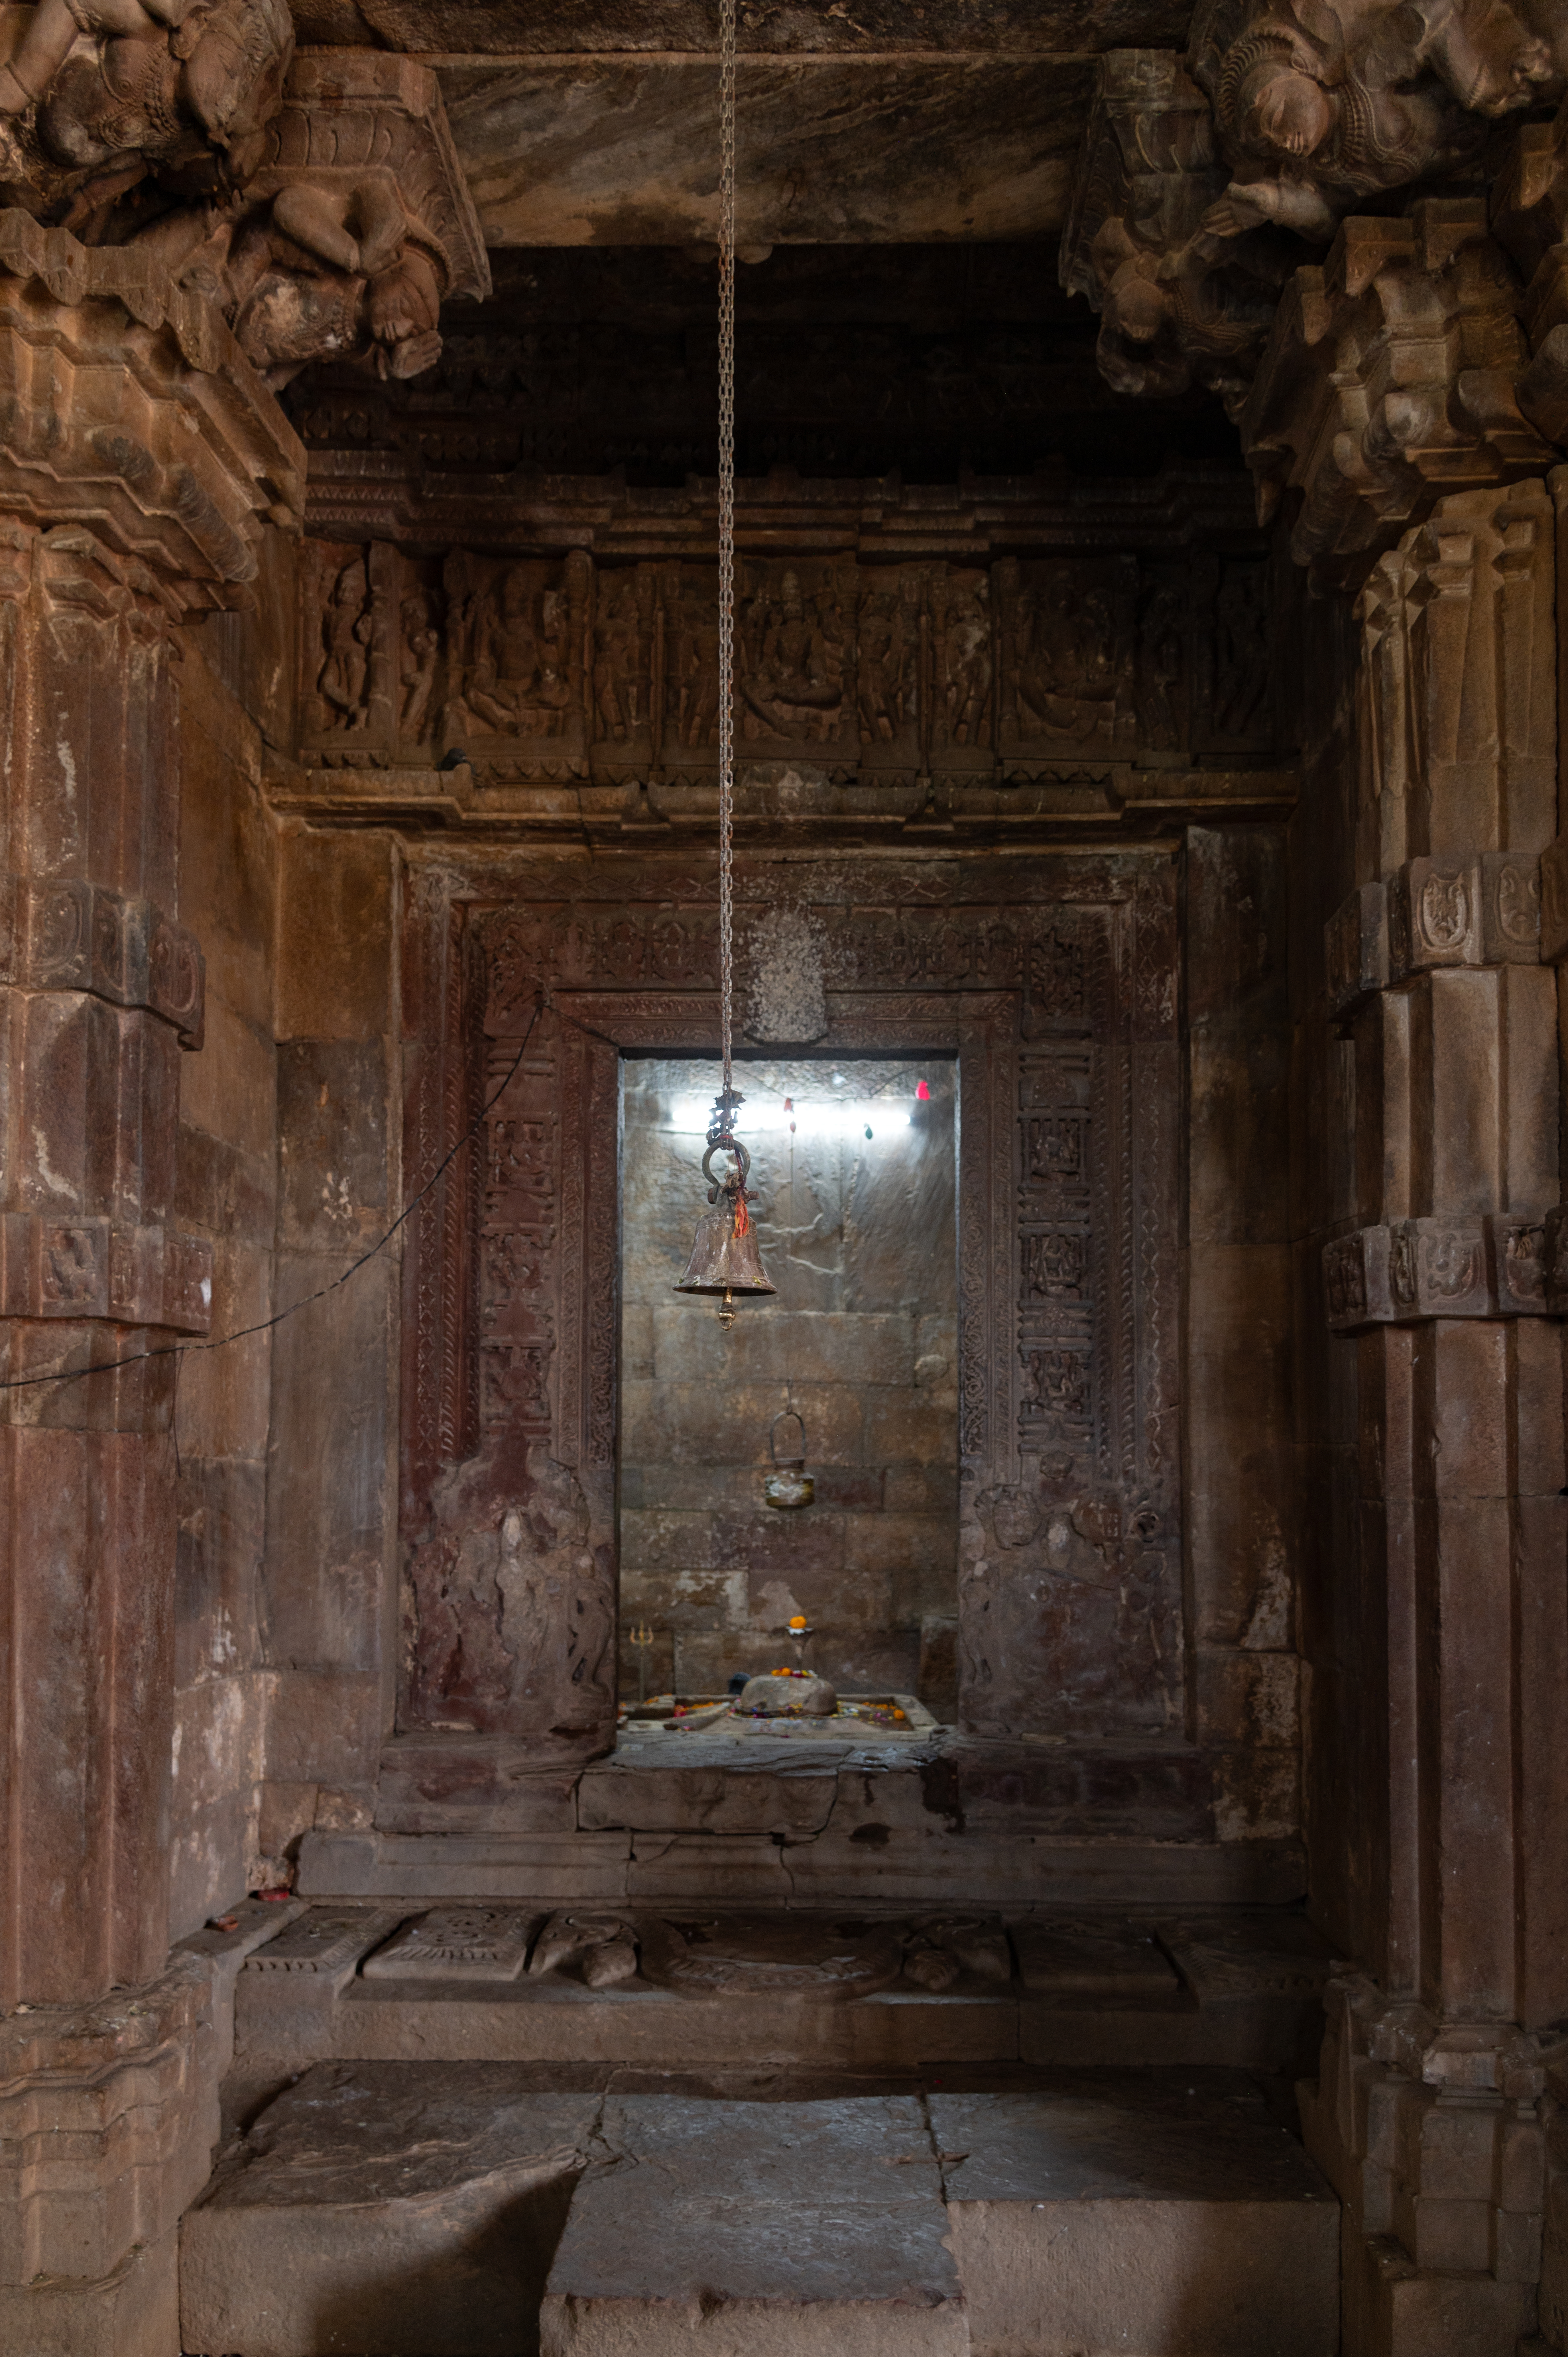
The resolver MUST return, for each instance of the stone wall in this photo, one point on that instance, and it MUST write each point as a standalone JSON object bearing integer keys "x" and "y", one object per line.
{"x": 329, "y": 1583}
{"x": 227, "y": 1189}
{"x": 286, "y": 1473}
{"x": 863, "y": 1336}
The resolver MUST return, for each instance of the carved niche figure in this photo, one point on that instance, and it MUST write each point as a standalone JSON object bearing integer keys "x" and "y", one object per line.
{"x": 419, "y": 653}
{"x": 555, "y": 1599}
{"x": 888, "y": 655}
{"x": 962, "y": 620}
{"x": 346, "y": 632}
{"x": 1066, "y": 629}
{"x": 1161, "y": 650}
{"x": 1322, "y": 104}
{"x": 620, "y": 664}
{"x": 693, "y": 635}
{"x": 1241, "y": 648}
{"x": 794, "y": 649}
{"x": 507, "y": 651}
{"x": 100, "y": 94}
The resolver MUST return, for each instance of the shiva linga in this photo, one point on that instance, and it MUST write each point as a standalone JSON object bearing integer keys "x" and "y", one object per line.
{"x": 724, "y": 1257}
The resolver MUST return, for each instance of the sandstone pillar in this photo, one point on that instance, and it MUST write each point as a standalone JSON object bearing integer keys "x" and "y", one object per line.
{"x": 1428, "y": 2113}
{"x": 137, "y": 449}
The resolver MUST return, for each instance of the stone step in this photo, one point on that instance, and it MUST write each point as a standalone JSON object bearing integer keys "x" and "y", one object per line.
{"x": 765, "y": 2230}
{"x": 1154, "y": 2213}
{"x": 1145, "y": 2213}
{"x": 478, "y": 1982}
{"x": 426, "y": 2209}
{"x": 385, "y": 2210}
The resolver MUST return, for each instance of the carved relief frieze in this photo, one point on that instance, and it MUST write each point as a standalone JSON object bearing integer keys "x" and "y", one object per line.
{"x": 104, "y": 1269}
{"x": 1066, "y": 1387}
{"x": 69, "y": 934}
{"x": 545, "y": 669}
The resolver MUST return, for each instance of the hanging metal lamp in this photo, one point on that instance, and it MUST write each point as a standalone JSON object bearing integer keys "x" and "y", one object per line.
{"x": 725, "y": 1261}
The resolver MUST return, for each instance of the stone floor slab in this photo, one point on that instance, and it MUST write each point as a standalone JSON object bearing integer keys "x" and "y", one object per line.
{"x": 775, "y": 2230}
{"x": 1149, "y": 2213}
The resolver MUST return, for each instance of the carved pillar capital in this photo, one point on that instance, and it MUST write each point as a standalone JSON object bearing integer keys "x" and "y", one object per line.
{"x": 134, "y": 418}
{"x": 1372, "y": 361}
{"x": 314, "y": 200}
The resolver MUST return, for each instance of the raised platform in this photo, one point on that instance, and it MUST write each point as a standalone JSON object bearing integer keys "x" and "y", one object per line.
{"x": 787, "y": 1815}
{"x": 416, "y": 2210}
{"x": 711, "y": 1989}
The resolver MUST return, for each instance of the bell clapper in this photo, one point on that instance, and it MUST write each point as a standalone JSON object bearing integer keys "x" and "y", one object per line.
{"x": 726, "y": 1311}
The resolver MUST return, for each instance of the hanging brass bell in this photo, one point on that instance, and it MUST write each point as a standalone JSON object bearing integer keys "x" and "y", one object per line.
{"x": 724, "y": 1257}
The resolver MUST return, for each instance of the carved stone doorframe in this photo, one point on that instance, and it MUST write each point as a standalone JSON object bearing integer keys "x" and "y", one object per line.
{"x": 1069, "y": 1557}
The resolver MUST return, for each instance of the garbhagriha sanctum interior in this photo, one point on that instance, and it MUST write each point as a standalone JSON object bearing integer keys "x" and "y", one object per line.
{"x": 782, "y": 1260}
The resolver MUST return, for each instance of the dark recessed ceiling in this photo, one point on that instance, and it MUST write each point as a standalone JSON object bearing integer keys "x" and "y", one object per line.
{"x": 851, "y": 362}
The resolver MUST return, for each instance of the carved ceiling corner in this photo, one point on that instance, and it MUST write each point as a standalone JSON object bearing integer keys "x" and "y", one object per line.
{"x": 190, "y": 212}
{"x": 1233, "y": 224}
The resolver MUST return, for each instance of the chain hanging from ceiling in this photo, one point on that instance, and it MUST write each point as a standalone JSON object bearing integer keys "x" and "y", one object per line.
{"x": 727, "y": 528}
{"x": 725, "y": 1258}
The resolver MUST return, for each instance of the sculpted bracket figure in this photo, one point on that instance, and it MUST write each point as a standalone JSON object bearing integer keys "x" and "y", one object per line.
{"x": 1199, "y": 185}
{"x": 1319, "y": 104}
{"x": 317, "y": 200}
{"x": 1179, "y": 302}
{"x": 97, "y": 96}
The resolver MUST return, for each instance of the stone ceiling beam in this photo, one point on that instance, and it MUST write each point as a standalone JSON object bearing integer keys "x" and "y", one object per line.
{"x": 496, "y": 28}
{"x": 601, "y": 151}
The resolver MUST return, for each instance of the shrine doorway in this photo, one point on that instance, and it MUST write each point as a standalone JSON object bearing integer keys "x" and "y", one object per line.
{"x": 853, "y": 1184}
{"x": 1050, "y": 984}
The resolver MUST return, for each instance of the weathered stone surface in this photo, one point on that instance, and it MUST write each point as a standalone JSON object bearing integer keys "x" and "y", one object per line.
{"x": 388, "y": 2207}
{"x": 745, "y": 1956}
{"x": 815, "y": 2225}
{"x": 622, "y": 152}
{"x": 803, "y": 27}
{"x": 478, "y": 1943}
{"x": 1140, "y": 2212}
{"x": 1124, "y": 1958}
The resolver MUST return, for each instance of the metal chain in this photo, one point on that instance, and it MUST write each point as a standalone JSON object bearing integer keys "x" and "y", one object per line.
{"x": 726, "y": 522}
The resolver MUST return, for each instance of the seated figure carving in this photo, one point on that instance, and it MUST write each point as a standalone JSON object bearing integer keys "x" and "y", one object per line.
{"x": 100, "y": 95}
{"x": 1320, "y": 104}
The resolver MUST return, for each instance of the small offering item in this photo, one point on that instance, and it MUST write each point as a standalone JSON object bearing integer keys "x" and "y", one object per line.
{"x": 788, "y": 1693}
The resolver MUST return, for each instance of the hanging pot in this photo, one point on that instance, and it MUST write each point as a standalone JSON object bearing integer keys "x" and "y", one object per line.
{"x": 789, "y": 1484}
